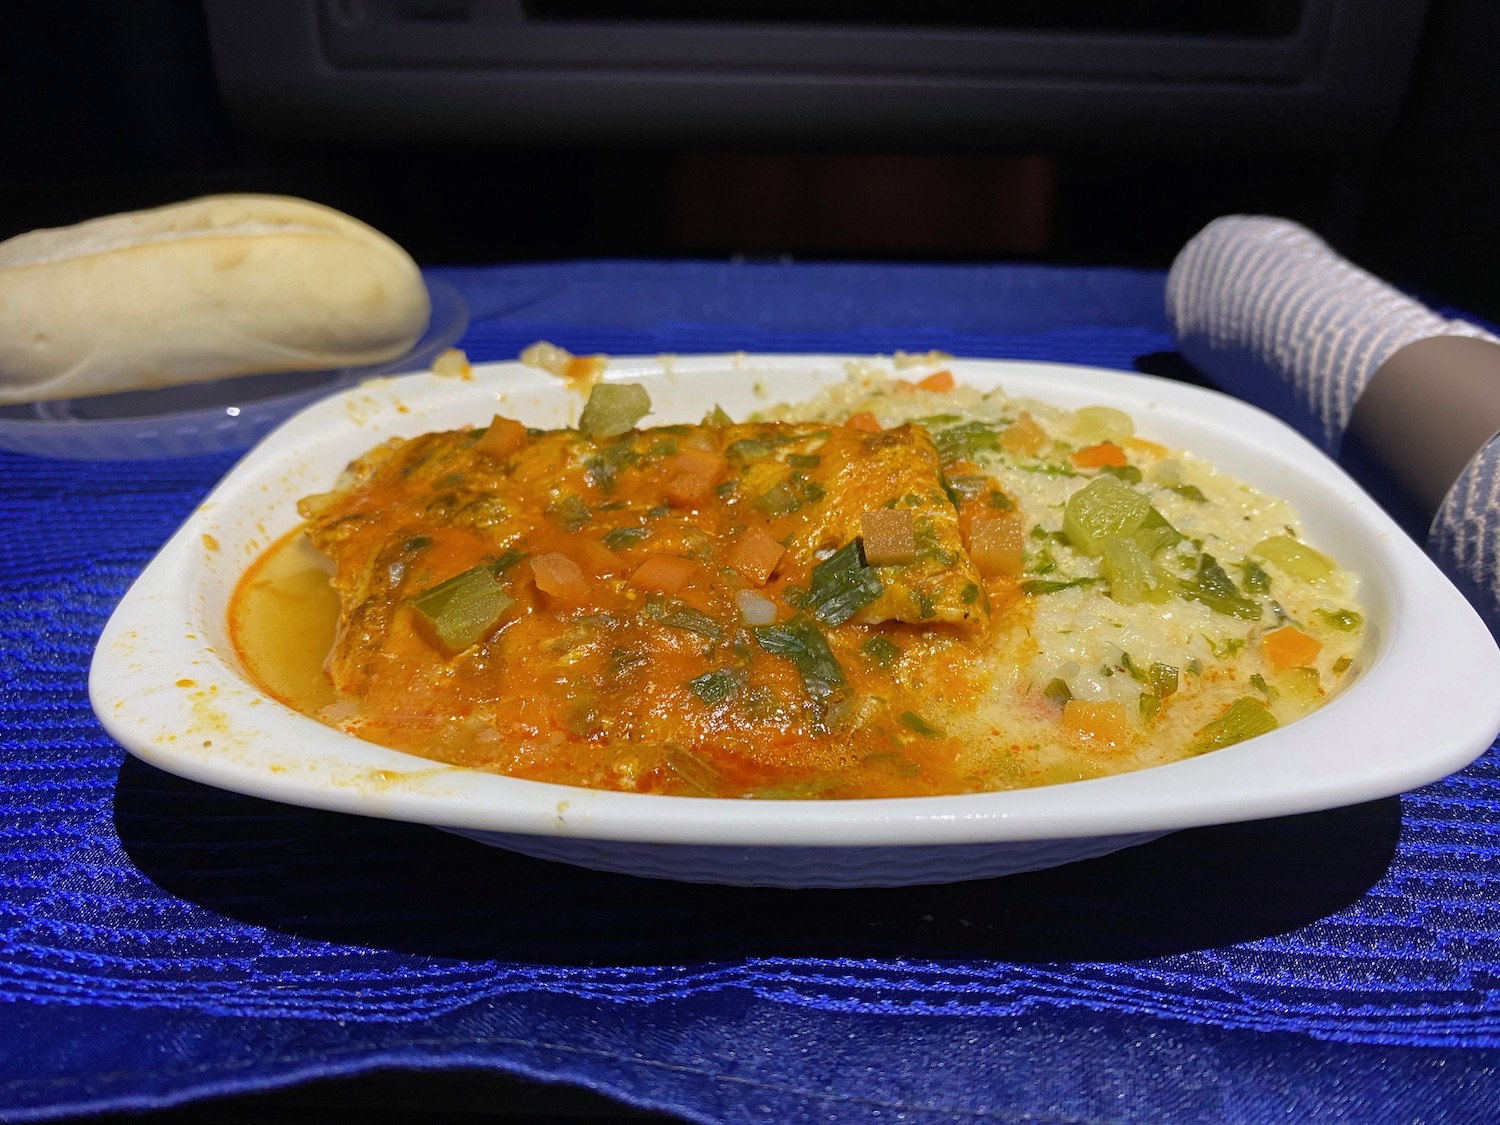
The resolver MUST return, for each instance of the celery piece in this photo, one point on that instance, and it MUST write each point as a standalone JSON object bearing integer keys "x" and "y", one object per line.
{"x": 1104, "y": 508}
{"x": 1148, "y": 706}
{"x": 1133, "y": 578}
{"x": 842, "y": 585}
{"x": 1058, "y": 691}
{"x": 462, "y": 611}
{"x": 1296, "y": 558}
{"x": 1215, "y": 589}
{"x": 1127, "y": 473}
{"x": 613, "y": 409}
{"x": 1246, "y": 718}
{"x": 1301, "y": 687}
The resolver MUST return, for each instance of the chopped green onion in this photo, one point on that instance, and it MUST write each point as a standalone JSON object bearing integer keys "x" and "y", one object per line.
{"x": 1257, "y": 581}
{"x": 842, "y": 585}
{"x": 625, "y": 536}
{"x": 1344, "y": 620}
{"x": 800, "y": 641}
{"x": 1189, "y": 492}
{"x": 714, "y": 687}
{"x": 880, "y": 651}
{"x": 677, "y": 615}
{"x": 1058, "y": 691}
{"x": 1217, "y": 590}
{"x": 786, "y": 497}
{"x": 1043, "y": 586}
{"x": 912, "y": 721}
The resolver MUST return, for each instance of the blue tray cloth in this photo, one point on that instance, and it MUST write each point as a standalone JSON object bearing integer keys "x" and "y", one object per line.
{"x": 161, "y": 941}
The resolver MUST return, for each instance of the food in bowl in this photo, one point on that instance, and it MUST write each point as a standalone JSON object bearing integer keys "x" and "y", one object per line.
{"x": 891, "y": 589}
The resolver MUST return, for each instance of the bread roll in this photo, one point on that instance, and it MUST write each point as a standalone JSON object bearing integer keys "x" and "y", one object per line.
{"x": 209, "y": 288}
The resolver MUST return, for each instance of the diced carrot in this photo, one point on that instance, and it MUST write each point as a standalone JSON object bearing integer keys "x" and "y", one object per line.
{"x": 888, "y": 536}
{"x": 560, "y": 577}
{"x": 691, "y": 474}
{"x": 864, "y": 420}
{"x": 1106, "y": 454}
{"x": 666, "y": 574}
{"x": 1097, "y": 724}
{"x": 1023, "y": 436}
{"x": 755, "y": 555}
{"x": 504, "y": 437}
{"x": 1290, "y": 647}
{"x": 997, "y": 545}
{"x": 937, "y": 381}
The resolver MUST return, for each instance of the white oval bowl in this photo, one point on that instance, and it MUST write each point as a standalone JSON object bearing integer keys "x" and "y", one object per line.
{"x": 165, "y": 681}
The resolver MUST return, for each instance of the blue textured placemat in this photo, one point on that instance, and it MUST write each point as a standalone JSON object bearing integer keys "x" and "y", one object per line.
{"x": 160, "y": 940}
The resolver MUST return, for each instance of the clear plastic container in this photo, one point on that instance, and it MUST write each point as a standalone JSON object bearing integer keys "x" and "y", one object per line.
{"x": 212, "y": 417}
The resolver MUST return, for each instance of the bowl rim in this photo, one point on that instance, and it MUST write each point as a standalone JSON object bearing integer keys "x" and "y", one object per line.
{"x": 164, "y": 686}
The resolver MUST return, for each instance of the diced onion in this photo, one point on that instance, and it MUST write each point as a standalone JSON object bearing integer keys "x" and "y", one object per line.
{"x": 755, "y": 609}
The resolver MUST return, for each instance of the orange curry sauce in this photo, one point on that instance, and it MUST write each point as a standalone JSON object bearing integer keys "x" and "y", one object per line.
{"x": 683, "y": 609}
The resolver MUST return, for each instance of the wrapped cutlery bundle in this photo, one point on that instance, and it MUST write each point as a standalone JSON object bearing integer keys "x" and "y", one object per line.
{"x": 1408, "y": 400}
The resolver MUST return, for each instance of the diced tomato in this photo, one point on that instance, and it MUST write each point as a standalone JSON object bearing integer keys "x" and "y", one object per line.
{"x": 691, "y": 474}
{"x": 755, "y": 555}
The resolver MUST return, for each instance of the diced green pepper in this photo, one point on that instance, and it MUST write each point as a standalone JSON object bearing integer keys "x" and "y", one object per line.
{"x": 613, "y": 409}
{"x": 1246, "y": 718}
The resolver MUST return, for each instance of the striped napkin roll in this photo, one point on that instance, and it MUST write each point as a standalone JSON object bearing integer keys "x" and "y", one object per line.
{"x": 1408, "y": 400}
